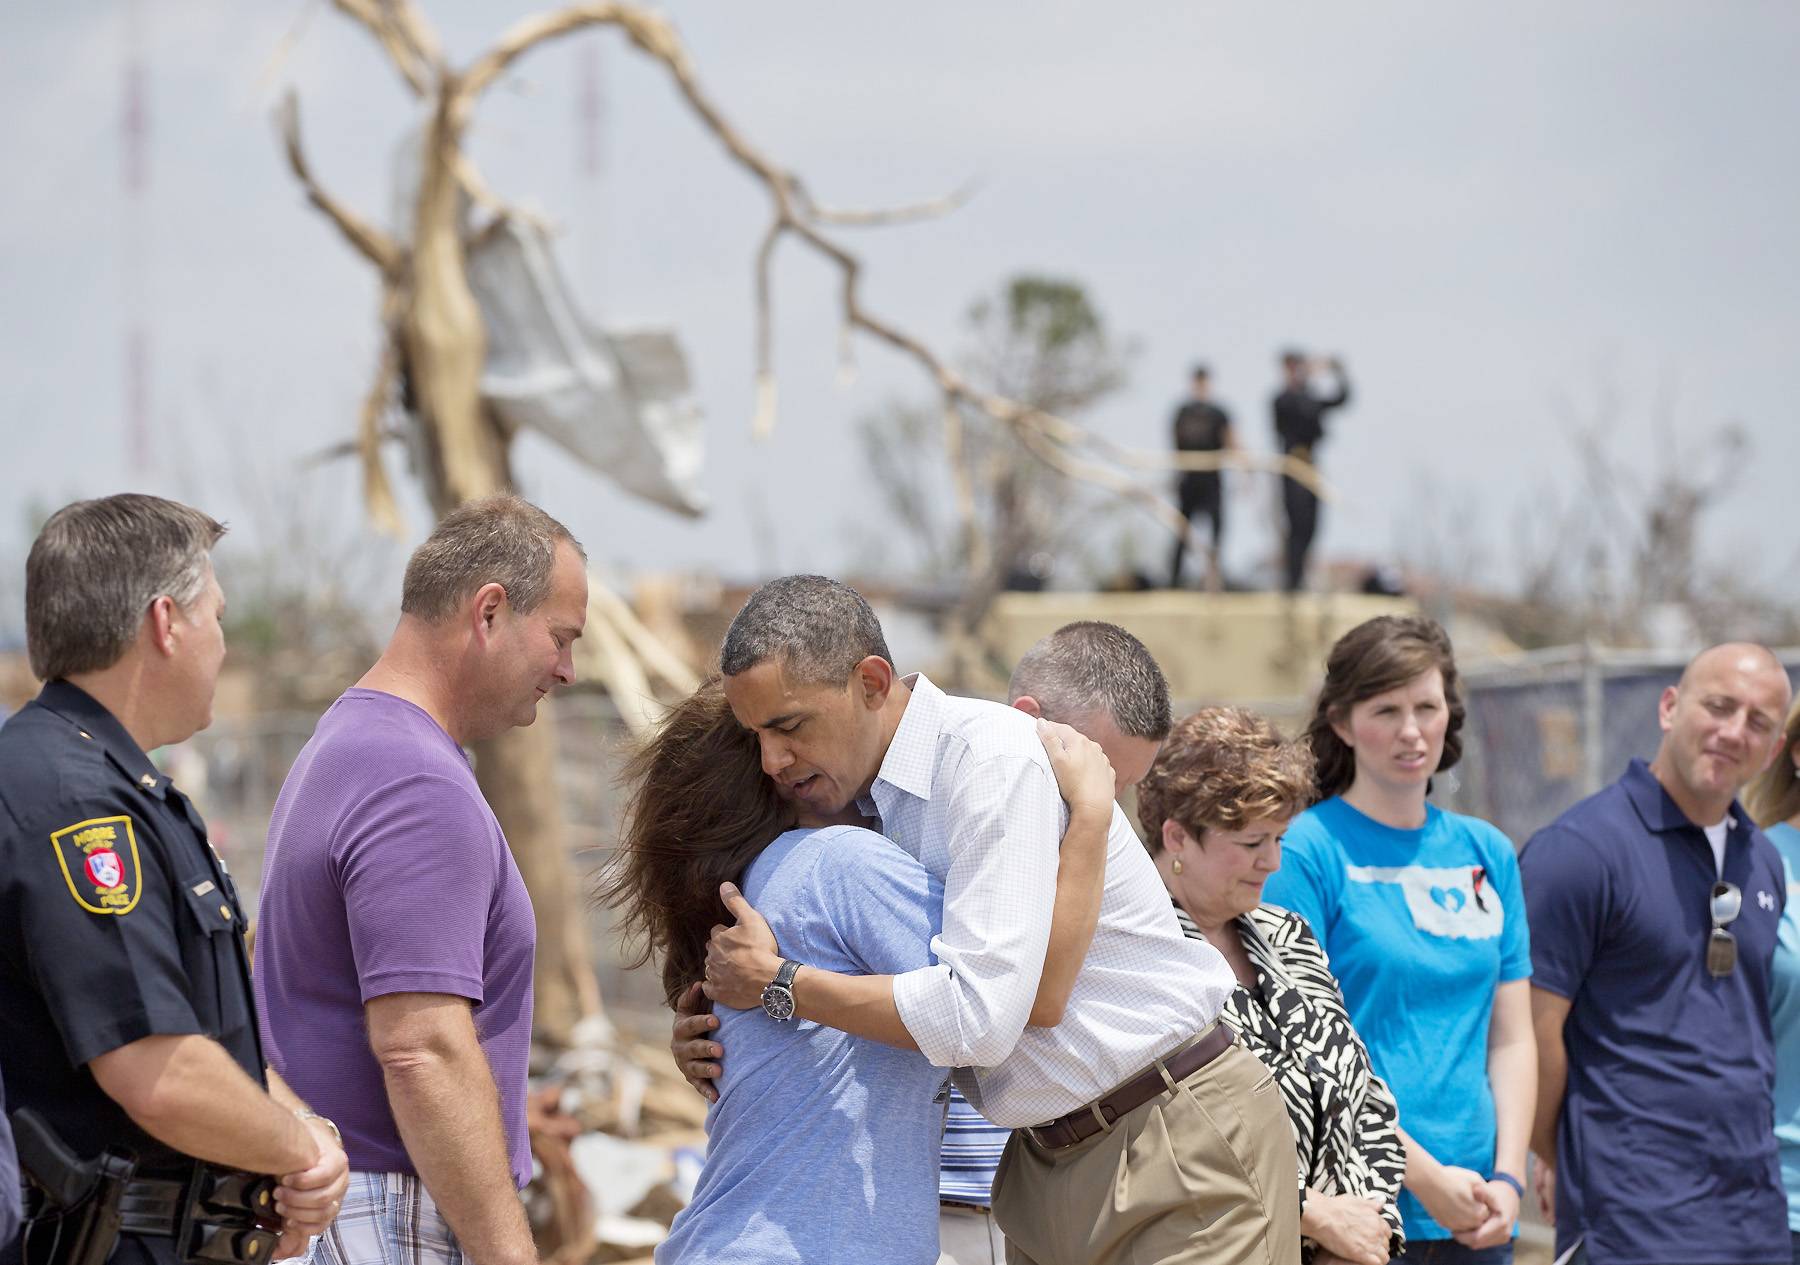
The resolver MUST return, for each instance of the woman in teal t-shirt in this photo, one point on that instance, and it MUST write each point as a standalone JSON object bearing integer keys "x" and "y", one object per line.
{"x": 1421, "y": 914}
{"x": 1773, "y": 802}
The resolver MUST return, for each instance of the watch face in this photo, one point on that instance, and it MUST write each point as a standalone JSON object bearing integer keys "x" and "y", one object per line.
{"x": 778, "y": 1002}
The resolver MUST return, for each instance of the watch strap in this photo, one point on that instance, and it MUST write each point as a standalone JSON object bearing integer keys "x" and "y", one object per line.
{"x": 784, "y": 976}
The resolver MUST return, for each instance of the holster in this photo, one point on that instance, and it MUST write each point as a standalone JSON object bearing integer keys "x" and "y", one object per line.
{"x": 74, "y": 1212}
{"x": 216, "y": 1216}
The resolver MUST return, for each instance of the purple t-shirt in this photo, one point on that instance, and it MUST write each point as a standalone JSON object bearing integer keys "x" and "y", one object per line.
{"x": 386, "y": 872}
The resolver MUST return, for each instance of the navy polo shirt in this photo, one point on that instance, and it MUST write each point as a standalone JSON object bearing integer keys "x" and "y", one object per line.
{"x": 1666, "y": 1146}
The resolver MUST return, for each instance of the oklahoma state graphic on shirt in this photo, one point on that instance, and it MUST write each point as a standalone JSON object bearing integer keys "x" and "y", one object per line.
{"x": 1454, "y": 901}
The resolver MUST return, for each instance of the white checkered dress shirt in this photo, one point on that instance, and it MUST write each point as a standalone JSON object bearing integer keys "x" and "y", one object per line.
{"x": 967, "y": 789}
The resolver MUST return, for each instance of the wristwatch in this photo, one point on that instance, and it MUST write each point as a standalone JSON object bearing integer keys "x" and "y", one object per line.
{"x": 778, "y": 997}
{"x": 307, "y": 1113}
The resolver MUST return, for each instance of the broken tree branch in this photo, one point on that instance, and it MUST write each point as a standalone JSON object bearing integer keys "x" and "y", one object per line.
{"x": 378, "y": 19}
{"x": 371, "y": 242}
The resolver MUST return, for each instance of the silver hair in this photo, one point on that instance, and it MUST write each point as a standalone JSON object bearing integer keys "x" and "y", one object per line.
{"x": 96, "y": 567}
{"x": 1089, "y": 666}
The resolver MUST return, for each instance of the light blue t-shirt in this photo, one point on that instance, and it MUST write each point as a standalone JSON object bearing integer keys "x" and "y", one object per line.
{"x": 1421, "y": 927}
{"x": 1784, "y": 1019}
{"x": 823, "y": 1146}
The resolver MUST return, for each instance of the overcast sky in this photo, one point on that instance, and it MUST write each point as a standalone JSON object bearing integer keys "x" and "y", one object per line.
{"x": 1488, "y": 209}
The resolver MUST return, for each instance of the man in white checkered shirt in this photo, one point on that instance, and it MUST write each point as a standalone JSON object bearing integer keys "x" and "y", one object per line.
{"x": 1146, "y": 1134}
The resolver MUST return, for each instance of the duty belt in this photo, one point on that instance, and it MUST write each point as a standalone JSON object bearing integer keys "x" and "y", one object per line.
{"x": 216, "y": 1216}
{"x": 154, "y": 1207}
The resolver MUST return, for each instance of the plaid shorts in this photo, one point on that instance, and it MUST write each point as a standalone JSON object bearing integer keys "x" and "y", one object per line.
{"x": 387, "y": 1219}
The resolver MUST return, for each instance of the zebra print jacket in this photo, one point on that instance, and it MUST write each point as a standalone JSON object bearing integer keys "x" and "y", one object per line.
{"x": 1343, "y": 1114}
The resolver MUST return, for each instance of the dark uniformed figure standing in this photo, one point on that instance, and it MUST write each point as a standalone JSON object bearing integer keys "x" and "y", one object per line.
{"x": 1299, "y": 427}
{"x": 1201, "y": 426}
{"x": 131, "y": 1058}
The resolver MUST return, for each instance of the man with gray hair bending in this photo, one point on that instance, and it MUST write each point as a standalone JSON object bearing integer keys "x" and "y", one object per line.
{"x": 1144, "y": 1133}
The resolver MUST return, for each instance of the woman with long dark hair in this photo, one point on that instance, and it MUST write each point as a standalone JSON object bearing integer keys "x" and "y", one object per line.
{"x": 821, "y": 1146}
{"x": 1421, "y": 914}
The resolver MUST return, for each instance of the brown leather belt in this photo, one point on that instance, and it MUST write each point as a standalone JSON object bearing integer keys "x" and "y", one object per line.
{"x": 962, "y": 1205}
{"x": 1085, "y": 1122}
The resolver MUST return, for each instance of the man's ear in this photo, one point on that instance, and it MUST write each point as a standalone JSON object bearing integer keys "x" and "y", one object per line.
{"x": 1029, "y": 706}
{"x": 160, "y": 619}
{"x": 873, "y": 679}
{"x": 485, "y": 608}
{"x": 1665, "y": 708}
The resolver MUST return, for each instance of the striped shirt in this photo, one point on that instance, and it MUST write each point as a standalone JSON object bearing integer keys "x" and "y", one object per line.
{"x": 965, "y": 786}
{"x": 970, "y": 1155}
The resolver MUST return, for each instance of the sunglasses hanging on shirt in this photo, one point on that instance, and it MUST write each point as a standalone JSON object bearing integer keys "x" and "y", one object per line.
{"x": 1721, "y": 945}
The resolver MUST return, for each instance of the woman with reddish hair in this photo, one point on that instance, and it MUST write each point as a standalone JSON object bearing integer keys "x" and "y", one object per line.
{"x": 1214, "y": 808}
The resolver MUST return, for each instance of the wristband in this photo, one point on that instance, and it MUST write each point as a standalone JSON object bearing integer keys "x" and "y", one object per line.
{"x": 1517, "y": 1185}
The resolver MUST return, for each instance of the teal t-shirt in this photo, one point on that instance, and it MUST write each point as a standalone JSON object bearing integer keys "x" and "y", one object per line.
{"x": 1784, "y": 1019}
{"x": 1421, "y": 927}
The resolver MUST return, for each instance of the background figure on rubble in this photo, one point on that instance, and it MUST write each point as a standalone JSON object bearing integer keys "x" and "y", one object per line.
{"x": 1201, "y": 426}
{"x": 1299, "y": 429}
{"x": 1655, "y": 908}
{"x": 394, "y": 959}
{"x": 126, "y": 1020}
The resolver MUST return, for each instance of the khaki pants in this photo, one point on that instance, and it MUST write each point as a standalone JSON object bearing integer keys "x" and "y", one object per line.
{"x": 1204, "y": 1172}
{"x": 967, "y": 1236}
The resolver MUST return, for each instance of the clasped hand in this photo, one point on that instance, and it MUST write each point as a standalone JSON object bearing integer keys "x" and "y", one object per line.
{"x": 308, "y": 1201}
{"x": 741, "y": 960}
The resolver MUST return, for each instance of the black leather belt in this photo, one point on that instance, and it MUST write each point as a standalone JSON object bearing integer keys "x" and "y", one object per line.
{"x": 1084, "y": 1122}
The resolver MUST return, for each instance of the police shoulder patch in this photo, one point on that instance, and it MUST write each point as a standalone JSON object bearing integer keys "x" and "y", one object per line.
{"x": 99, "y": 860}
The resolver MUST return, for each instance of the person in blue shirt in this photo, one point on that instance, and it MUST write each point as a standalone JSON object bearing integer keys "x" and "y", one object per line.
{"x": 821, "y": 1146}
{"x": 1421, "y": 915}
{"x": 1773, "y": 802}
{"x": 1655, "y": 905}
{"x": 1105, "y": 684}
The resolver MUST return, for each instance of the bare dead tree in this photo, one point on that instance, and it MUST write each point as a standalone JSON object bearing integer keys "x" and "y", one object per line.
{"x": 433, "y": 349}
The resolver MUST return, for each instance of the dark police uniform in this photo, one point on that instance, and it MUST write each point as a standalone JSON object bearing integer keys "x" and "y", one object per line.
{"x": 118, "y": 921}
{"x": 1299, "y": 427}
{"x": 1200, "y": 426}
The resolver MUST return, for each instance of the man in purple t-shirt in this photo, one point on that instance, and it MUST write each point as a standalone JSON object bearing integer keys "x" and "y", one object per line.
{"x": 393, "y": 963}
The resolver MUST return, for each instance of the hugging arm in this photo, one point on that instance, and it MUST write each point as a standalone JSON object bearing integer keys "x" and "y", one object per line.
{"x": 743, "y": 959}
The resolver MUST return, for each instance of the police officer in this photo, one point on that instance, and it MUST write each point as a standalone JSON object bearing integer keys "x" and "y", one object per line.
{"x": 124, "y": 978}
{"x": 1299, "y": 429}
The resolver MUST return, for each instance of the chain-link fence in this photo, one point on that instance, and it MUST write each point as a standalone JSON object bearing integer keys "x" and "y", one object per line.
{"x": 1552, "y": 727}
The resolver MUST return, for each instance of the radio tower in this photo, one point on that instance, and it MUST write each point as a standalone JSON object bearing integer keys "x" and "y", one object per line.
{"x": 134, "y": 138}
{"x": 590, "y": 116}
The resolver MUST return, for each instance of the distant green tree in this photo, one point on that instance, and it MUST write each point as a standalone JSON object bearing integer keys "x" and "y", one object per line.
{"x": 1035, "y": 339}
